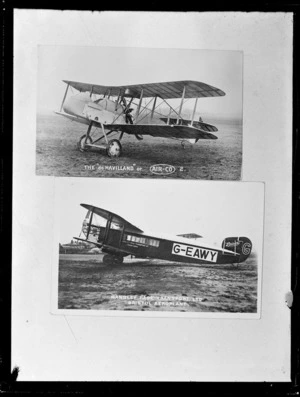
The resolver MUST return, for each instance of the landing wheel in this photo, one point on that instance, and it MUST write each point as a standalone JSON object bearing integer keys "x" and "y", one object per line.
{"x": 81, "y": 143}
{"x": 112, "y": 260}
{"x": 118, "y": 260}
{"x": 183, "y": 144}
{"x": 114, "y": 148}
{"x": 108, "y": 259}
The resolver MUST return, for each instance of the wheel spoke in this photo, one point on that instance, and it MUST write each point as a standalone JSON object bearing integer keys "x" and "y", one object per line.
{"x": 82, "y": 141}
{"x": 114, "y": 148}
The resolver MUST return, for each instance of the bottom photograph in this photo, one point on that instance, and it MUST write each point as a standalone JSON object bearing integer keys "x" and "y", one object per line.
{"x": 157, "y": 246}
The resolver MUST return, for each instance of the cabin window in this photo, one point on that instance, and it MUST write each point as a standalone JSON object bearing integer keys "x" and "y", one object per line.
{"x": 142, "y": 240}
{"x": 92, "y": 223}
{"x": 97, "y": 220}
{"x": 116, "y": 224}
{"x": 153, "y": 242}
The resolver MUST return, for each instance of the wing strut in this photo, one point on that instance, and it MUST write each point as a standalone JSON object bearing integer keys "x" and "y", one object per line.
{"x": 117, "y": 101}
{"x": 170, "y": 107}
{"x": 169, "y": 115}
{"x": 108, "y": 223}
{"x": 91, "y": 91}
{"x": 139, "y": 105}
{"x": 90, "y": 222}
{"x": 181, "y": 103}
{"x": 62, "y": 104}
{"x": 153, "y": 108}
{"x": 195, "y": 106}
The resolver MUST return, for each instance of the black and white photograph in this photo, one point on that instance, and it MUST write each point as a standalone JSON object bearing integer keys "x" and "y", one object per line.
{"x": 162, "y": 248}
{"x": 151, "y": 204}
{"x": 139, "y": 113}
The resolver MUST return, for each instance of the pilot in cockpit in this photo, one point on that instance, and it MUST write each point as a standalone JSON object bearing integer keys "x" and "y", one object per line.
{"x": 128, "y": 116}
{"x": 127, "y": 111}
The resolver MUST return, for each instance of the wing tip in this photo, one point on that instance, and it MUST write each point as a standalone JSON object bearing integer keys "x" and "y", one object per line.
{"x": 87, "y": 206}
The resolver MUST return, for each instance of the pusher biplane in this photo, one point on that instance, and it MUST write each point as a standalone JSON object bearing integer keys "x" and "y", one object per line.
{"x": 115, "y": 110}
{"x": 118, "y": 238}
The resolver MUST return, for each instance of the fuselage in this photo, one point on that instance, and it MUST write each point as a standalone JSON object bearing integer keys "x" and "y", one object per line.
{"x": 119, "y": 238}
{"x": 177, "y": 249}
{"x": 103, "y": 110}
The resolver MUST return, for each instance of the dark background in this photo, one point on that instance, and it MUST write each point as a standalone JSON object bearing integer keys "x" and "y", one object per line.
{"x": 8, "y": 380}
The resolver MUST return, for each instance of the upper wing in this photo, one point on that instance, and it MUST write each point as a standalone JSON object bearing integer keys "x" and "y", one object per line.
{"x": 166, "y": 90}
{"x": 106, "y": 214}
{"x": 162, "y": 130}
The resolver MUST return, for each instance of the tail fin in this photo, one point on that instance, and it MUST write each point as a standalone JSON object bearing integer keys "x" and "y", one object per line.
{"x": 240, "y": 245}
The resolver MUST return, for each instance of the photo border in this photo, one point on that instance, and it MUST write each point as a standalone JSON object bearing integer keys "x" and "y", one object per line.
{"x": 8, "y": 378}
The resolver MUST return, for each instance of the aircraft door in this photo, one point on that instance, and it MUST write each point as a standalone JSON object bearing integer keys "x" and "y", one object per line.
{"x": 114, "y": 232}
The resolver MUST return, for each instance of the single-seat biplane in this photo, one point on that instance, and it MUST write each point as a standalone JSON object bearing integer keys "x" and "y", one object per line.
{"x": 118, "y": 238}
{"x": 115, "y": 110}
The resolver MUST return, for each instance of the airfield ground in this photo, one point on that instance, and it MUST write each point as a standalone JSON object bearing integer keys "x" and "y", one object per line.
{"x": 153, "y": 285}
{"x": 57, "y": 153}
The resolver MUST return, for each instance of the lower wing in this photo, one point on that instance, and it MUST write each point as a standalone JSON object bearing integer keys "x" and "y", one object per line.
{"x": 162, "y": 130}
{"x": 198, "y": 124}
{"x": 78, "y": 119}
{"x": 108, "y": 248}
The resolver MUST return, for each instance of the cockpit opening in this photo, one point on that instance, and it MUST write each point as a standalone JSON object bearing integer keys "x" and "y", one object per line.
{"x": 98, "y": 229}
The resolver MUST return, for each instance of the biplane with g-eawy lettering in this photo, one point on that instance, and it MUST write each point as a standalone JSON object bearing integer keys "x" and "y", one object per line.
{"x": 118, "y": 238}
{"x": 118, "y": 110}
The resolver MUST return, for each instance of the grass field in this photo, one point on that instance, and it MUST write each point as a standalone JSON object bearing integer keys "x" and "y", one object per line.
{"x": 57, "y": 153}
{"x": 86, "y": 283}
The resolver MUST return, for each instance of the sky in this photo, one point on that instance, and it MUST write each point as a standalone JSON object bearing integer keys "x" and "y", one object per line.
{"x": 213, "y": 210}
{"x": 126, "y": 65}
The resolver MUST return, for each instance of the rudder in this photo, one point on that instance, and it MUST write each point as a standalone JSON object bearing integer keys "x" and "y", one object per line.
{"x": 240, "y": 245}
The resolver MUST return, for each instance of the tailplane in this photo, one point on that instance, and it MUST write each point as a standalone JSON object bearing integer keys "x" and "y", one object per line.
{"x": 239, "y": 245}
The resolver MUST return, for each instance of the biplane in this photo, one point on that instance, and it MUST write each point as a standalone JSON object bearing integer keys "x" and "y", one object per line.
{"x": 118, "y": 238}
{"x": 117, "y": 110}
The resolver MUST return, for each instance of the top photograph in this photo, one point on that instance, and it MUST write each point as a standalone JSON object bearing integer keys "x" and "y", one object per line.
{"x": 139, "y": 113}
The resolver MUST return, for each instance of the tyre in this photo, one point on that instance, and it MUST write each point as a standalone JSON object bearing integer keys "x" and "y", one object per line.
{"x": 112, "y": 259}
{"x": 118, "y": 260}
{"x": 108, "y": 259}
{"x": 81, "y": 143}
{"x": 114, "y": 148}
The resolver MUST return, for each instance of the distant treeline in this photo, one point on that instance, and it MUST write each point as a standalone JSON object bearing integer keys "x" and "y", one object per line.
{"x": 77, "y": 247}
